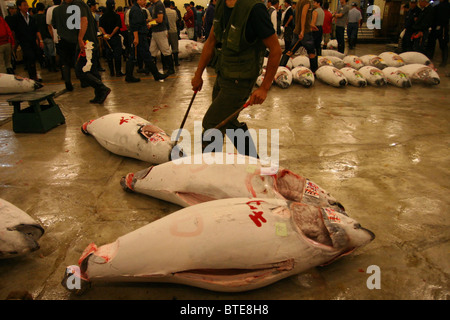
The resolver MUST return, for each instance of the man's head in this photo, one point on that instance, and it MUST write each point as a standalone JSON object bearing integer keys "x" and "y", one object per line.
{"x": 424, "y": 3}
{"x": 187, "y": 6}
{"x": 343, "y": 2}
{"x": 22, "y": 5}
{"x": 413, "y": 4}
{"x": 273, "y": 3}
{"x": 56, "y": 2}
{"x": 92, "y": 4}
{"x": 40, "y": 7}
{"x": 141, "y": 3}
{"x": 317, "y": 3}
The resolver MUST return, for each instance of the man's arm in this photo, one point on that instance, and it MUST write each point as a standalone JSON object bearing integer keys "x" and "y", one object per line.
{"x": 260, "y": 94}
{"x": 205, "y": 58}
{"x": 304, "y": 13}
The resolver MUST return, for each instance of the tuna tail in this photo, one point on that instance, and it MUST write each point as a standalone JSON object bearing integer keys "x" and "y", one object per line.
{"x": 37, "y": 85}
{"x": 362, "y": 84}
{"x": 343, "y": 83}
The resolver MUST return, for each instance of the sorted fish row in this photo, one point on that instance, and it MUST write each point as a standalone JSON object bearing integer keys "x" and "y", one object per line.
{"x": 387, "y": 68}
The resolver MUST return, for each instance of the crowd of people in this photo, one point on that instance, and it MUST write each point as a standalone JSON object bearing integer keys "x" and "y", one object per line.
{"x": 150, "y": 29}
{"x": 424, "y": 25}
{"x": 138, "y": 35}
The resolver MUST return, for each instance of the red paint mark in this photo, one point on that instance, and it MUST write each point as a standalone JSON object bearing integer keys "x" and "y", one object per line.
{"x": 361, "y": 270}
{"x": 156, "y": 108}
{"x": 332, "y": 215}
{"x": 123, "y": 120}
{"x": 256, "y": 217}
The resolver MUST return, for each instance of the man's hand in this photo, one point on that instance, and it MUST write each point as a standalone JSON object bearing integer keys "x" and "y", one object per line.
{"x": 197, "y": 83}
{"x": 258, "y": 96}
{"x": 135, "y": 41}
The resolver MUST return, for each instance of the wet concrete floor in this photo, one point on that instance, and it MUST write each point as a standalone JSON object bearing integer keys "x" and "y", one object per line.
{"x": 382, "y": 152}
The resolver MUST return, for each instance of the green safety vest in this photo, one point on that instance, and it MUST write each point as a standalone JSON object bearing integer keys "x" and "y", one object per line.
{"x": 235, "y": 57}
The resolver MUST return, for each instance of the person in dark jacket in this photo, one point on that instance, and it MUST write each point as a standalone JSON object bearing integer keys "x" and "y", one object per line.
{"x": 422, "y": 27}
{"x": 110, "y": 24}
{"x": 439, "y": 32}
{"x": 410, "y": 19}
{"x": 138, "y": 31}
{"x": 209, "y": 17}
{"x": 236, "y": 77}
{"x": 28, "y": 37}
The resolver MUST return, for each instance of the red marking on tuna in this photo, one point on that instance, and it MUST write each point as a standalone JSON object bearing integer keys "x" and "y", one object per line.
{"x": 332, "y": 215}
{"x": 256, "y": 217}
{"x": 123, "y": 120}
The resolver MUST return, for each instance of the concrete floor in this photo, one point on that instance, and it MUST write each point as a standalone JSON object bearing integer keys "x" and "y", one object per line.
{"x": 382, "y": 152}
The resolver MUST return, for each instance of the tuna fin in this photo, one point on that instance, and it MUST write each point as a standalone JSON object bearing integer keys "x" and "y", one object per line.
{"x": 37, "y": 85}
{"x": 193, "y": 198}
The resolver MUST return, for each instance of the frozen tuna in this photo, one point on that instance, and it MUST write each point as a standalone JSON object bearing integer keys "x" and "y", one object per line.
{"x": 392, "y": 59}
{"x": 397, "y": 77}
{"x": 354, "y": 77}
{"x": 283, "y": 77}
{"x": 413, "y": 57}
{"x": 374, "y": 76}
{"x": 191, "y": 182}
{"x": 229, "y": 245}
{"x": 421, "y": 73}
{"x": 332, "y": 76}
{"x": 10, "y": 83}
{"x": 353, "y": 61}
{"x": 19, "y": 233}
{"x": 303, "y": 76}
{"x": 374, "y": 61}
{"x": 131, "y": 136}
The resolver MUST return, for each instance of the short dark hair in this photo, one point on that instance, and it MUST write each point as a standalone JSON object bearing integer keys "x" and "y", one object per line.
{"x": 40, "y": 6}
{"x": 320, "y": 2}
{"x": 19, "y": 2}
{"x": 56, "y": 2}
{"x": 326, "y": 5}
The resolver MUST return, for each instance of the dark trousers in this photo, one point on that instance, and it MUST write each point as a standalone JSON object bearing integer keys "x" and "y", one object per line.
{"x": 352, "y": 33}
{"x": 317, "y": 36}
{"x": 407, "y": 43}
{"x": 91, "y": 77}
{"x": 30, "y": 53}
{"x": 340, "y": 37}
{"x": 440, "y": 34}
{"x": 420, "y": 44}
{"x": 288, "y": 34}
{"x": 228, "y": 96}
{"x": 67, "y": 54}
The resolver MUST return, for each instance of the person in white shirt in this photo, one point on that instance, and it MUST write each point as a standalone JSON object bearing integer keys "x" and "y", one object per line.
{"x": 354, "y": 20}
{"x": 272, "y": 6}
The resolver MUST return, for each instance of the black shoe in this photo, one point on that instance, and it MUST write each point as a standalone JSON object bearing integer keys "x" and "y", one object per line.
{"x": 161, "y": 76}
{"x": 10, "y": 71}
{"x": 69, "y": 86}
{"x": 132, "y": 79}
{"x": 119, "y": 74}
{"x": 140, "y": 71}
{"x": 84, "y": 85}
{"x": 101, "y": 96}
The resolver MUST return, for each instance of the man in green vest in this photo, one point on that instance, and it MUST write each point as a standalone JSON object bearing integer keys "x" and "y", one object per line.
{"x": 241, "y": 32}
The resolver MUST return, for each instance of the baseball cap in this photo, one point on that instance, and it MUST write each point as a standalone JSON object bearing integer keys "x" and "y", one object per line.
{"x": 91, "y": 3}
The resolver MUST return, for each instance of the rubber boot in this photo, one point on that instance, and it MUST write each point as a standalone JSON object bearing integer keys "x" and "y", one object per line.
{"x": 169, "y": 64}
{"x": 129, "y": 72}
{"x": 175, "y": 59}
{"x": 118, "y": 65}
{"x": 150, "y": 66}
{"x": 313, "y": 64}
